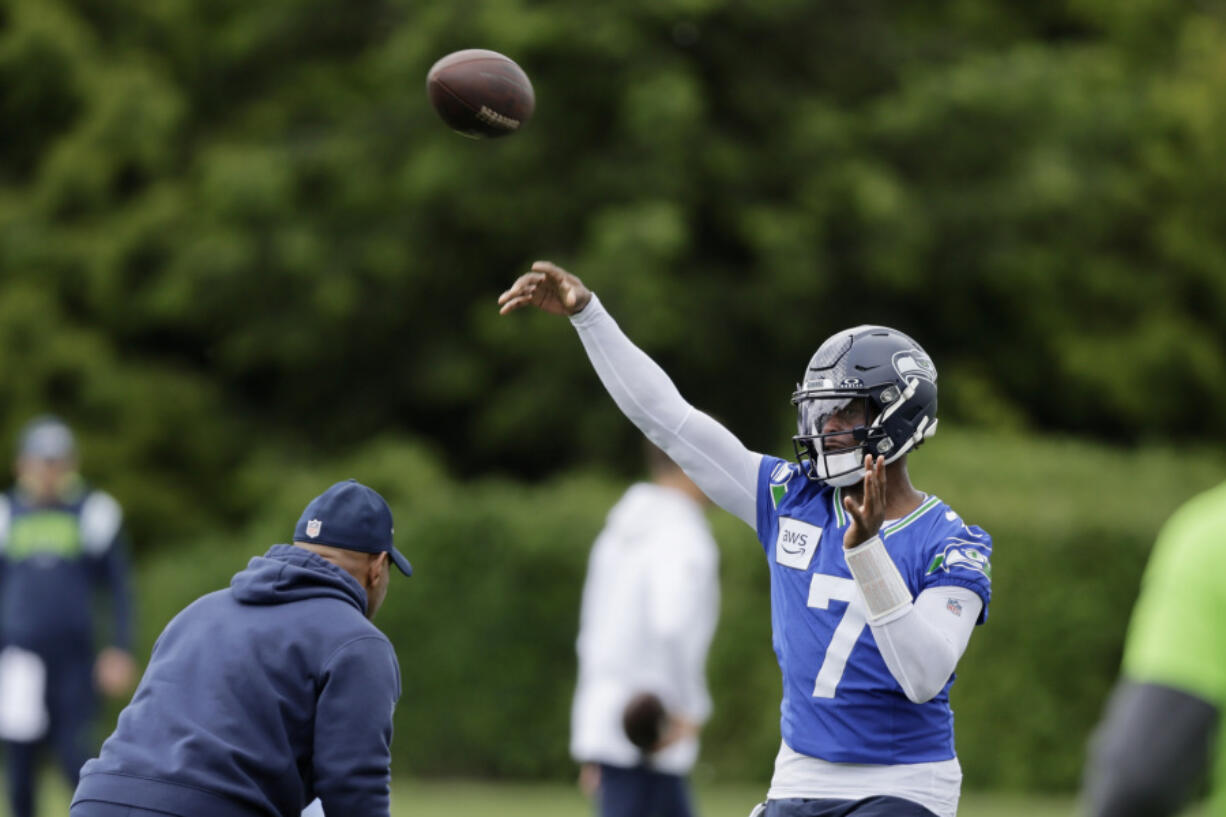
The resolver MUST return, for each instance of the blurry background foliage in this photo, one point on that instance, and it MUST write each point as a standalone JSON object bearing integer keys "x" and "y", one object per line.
{"x": 243, "y": 257}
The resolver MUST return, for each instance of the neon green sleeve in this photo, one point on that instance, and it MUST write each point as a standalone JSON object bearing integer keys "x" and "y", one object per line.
{"x": 1176, "y": 637}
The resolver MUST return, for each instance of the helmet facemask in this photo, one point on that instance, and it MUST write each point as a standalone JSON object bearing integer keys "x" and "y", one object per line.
{"x": 835, "y": 457}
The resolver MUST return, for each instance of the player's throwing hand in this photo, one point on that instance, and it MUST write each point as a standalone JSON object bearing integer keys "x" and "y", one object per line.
{"x": 547, "y": 287}
{"x": 868, "y": 514}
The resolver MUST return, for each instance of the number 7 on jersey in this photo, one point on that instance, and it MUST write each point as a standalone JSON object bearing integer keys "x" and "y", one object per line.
{"x": 824, "y": 589}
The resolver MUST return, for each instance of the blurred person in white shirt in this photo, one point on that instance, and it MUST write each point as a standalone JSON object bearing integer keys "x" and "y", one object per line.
{"x": 650, "y": 606}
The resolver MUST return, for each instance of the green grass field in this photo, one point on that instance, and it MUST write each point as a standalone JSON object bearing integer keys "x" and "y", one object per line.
{"x": 464, "y": 798}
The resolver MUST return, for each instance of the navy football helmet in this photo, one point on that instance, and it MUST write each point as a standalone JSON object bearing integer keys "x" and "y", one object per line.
{"x": 867, "y": 390}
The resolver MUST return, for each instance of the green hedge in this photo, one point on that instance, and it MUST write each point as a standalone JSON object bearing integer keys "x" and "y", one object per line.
{"x": 485, "y": 628}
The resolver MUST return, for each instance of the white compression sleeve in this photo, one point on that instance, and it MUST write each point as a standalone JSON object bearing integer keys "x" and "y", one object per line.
{"x": 710, "y": 454}
{"x": 922, "y": 646}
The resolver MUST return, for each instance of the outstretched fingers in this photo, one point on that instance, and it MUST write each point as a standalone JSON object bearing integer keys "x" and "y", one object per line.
{"x": 549, "y": 268}
{"x": 548, "y": 287}
{"x": 521, "y": 293}
{"x": 868, "y": 512}
{"x": 874, "y": 485}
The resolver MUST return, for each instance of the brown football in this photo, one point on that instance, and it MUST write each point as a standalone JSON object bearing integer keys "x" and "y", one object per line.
{"x": 480, "y": 93}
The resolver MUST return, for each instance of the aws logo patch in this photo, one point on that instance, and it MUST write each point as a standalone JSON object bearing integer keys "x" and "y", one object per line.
{"x": 796, "y": 543}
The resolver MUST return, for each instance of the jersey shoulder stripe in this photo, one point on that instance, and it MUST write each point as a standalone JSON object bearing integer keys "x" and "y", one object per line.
{"x": 925, "y": 506}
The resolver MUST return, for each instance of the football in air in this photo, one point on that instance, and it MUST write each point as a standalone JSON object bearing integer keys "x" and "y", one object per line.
{"x": 480, "y": 93}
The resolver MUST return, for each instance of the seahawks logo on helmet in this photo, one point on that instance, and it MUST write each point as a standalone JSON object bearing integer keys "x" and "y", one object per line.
{"x": 914, "y": 363}
{"x": 961, "y": 553}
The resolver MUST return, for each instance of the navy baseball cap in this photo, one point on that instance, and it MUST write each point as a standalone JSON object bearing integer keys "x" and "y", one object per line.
{"x": 351, "y": 516}
{"x": 47, "y": 438}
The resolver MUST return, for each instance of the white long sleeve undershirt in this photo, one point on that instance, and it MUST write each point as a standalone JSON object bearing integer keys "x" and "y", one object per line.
{"x": 710, "y": 454}
{"x": 921, "y": 645}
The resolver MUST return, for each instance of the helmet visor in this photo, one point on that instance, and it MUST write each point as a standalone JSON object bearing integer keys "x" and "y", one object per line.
{"x": 816, "y": 416}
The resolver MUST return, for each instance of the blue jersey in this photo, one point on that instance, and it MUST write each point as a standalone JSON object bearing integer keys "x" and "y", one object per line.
{"x": 52, "y": 559}
{"x": 840, "y": 702}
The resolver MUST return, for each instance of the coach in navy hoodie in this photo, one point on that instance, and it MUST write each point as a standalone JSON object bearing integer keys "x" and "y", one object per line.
{"x": 277, "y": 690}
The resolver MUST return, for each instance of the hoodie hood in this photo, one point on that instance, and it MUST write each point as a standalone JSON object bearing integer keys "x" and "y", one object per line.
{"x": 286, "y": 573}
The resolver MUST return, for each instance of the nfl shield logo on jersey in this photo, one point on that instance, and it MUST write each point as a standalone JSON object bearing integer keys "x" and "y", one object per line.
{"x": 313, "y": 527}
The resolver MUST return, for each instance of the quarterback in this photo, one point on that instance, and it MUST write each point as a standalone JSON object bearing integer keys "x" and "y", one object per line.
{"x": 875, "y": 585}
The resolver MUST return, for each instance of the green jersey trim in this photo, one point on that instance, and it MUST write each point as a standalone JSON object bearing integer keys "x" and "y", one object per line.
{"x": 924, "y": 507}
{"x": 840, "y": 513}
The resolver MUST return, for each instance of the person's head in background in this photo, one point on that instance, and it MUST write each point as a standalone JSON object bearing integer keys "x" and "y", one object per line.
{"x": 665, "y": 472}
{"x": 46, "y": 464}
{"x": 350, "y": 525}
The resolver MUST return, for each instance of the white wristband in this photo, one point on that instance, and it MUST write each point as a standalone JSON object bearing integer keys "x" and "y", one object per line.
{"x": 878, "y": 578}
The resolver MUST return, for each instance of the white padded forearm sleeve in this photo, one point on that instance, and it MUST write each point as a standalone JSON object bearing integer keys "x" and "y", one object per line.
{"x": 880, "y": 583}
{"x": 710, "y": 454}
{"x": 921, "y": 647}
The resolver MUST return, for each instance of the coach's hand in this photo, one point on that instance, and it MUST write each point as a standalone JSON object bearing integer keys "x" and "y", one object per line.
{"x": 869, "y": 512}
{"x": 678, "y": 728}
{"x": 115, "y": 672}
{"x": 547, "y": 287}
{"x": 589, "y": 779}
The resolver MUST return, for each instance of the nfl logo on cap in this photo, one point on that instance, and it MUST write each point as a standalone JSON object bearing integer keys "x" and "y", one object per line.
{"x": 358, "y": 519}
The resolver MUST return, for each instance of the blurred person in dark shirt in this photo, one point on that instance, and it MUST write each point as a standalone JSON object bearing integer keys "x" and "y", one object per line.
{"x": 61, "y": 544}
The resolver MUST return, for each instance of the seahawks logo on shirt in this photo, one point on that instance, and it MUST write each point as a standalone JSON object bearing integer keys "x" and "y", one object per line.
{"x": 961, "y": 553}
{"x": 779, "y": 482}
